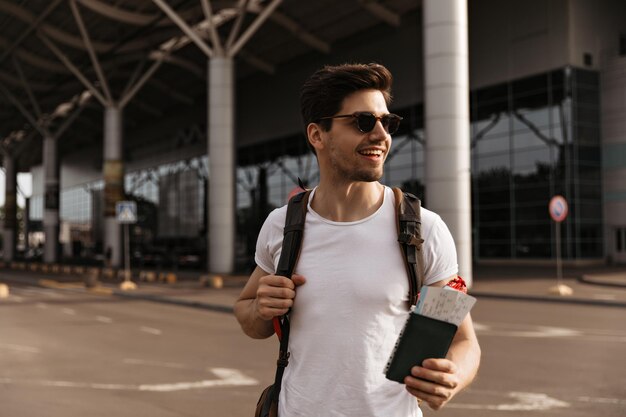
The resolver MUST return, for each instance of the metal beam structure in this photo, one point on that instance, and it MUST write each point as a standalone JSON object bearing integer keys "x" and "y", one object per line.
{"x": 114, "y": 49}
{"x": 381, "y": 12}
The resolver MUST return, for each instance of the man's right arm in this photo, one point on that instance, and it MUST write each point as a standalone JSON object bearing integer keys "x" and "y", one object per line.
{"x": 264, "y": 297}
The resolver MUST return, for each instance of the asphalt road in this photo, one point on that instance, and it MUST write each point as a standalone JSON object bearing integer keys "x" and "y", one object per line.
{"x": 67, "y": 355}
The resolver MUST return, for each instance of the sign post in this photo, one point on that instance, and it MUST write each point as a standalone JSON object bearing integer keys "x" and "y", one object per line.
{"x": 126, "y": 213}
{"x": 558, "y": 211}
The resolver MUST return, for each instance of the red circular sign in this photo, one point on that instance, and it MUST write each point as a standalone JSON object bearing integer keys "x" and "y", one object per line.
{"x": 558, "y": 208}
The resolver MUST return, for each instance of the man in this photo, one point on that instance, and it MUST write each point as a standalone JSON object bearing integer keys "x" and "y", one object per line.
{"x": 351, "y": 282}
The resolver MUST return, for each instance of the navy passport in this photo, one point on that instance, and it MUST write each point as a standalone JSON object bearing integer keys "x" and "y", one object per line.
{"x": 421, "y": 338}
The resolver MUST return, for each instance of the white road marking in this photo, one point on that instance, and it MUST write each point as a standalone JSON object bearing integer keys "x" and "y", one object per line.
{"x": 69, "y": 311}
{"x": 19, "y": 348}
{"x": 227, "y": 377}
{"x": 104, "y": 319}
{"x": 42, "y": 305}
{"x": 480, "y": 327}
{"x": 531, "y": 331}
{"x": 36, "y": 291}
{"x": 151, "y": 330}
{"x": 16, "y": 298}
{"x": 525, "y": 401}
{"x": 131, "y": 361}
{"x": 530, "y": 401}
{"x": 512, "y": 330}
{"x": 599, "y": 400}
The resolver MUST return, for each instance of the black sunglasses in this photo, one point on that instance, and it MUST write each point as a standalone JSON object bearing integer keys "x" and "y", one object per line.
{"x": 365, "y": 121}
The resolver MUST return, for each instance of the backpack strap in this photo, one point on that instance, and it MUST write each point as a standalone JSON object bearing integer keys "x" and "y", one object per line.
{"x": 292, "y": 243}
{"x": 292, "y": 233}
{"x": 408, "y": 214}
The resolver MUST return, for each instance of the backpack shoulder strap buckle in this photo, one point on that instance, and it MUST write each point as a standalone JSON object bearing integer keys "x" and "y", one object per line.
{"x": 411, "y": 240}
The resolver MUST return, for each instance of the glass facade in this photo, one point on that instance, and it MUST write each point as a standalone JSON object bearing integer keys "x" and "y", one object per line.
{"x": 530, "y": 139}
{"x": 170, "y": 209}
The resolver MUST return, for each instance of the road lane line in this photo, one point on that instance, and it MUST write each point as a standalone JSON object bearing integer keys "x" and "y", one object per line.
{"x": 19, "y": 348}
{"x": 151, "y": 330}
{"x": 227, "y": 377}
{"x": 598, "y": 400}
{"x": 524, "y": 401}
{"x": 42, "y": 305}
{"x": 104, "y": 319}
{"x": 533, "y": 331}
{"x": 35, "y": 292}
{"x": 529, "y": 401}
{"x": 131, "y": 361}
{"x": 69, "y": 311}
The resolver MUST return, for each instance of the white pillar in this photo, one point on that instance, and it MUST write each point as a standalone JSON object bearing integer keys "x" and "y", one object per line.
{"x": 9, "y": 232}
{"x": 51, "y": 200}
{"x": 221, "y": 150}
{"x": 446, "y": 85}
{"x": 113, "y": 172}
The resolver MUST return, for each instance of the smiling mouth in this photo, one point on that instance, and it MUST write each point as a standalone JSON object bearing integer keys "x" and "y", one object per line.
{"x": 372, "y": 152}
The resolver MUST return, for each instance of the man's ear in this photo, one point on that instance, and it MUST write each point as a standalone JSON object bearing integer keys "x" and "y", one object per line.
{"x": 314, "y": 135}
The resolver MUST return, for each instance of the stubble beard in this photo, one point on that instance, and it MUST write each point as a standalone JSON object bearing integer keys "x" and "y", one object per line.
{"x": 344, "y": 171}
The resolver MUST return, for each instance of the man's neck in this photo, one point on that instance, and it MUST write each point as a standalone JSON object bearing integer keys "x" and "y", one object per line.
{"x": 347, "y": 202}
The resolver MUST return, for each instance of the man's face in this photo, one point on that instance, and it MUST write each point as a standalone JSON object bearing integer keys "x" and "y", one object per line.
{"x": 352, "y": 154}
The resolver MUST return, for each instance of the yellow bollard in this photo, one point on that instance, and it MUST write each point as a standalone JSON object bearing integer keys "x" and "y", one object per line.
{"x": 171, "y": 278}
{"x": 4, "y": 290}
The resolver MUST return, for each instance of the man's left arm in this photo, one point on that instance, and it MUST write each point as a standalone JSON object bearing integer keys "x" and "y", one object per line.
{"x": 437, "y": 381}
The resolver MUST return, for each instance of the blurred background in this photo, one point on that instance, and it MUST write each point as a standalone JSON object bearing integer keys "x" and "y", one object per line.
{"x": 545, "y": 105}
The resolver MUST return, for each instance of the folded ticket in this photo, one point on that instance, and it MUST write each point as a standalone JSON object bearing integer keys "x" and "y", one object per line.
{"x": 445, "y": 304}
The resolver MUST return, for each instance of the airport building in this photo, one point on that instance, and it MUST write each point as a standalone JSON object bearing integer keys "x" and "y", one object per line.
{"x": 190, "y": 109}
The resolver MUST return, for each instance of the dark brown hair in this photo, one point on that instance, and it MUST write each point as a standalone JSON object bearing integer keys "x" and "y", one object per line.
{"x": 323, "y": 93}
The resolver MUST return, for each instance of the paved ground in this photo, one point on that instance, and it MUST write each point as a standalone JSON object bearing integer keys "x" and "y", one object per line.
{"x": 539, "y": 351}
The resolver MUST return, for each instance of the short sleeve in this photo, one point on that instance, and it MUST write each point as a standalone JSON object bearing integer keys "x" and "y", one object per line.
{"x": 270, "y": 239}
{"x": 440, "y": 260}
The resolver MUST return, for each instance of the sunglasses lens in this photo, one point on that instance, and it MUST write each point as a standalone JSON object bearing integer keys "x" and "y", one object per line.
{"x": 391, "y": 123}
{"x": 366, "y": 122}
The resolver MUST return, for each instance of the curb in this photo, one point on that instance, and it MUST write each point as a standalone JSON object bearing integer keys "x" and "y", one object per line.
{"x": 595, "y": 281}
{"x": 479, "y": 294}
{"x": 227, "y": 309}
{"x": 549, "y": 299}
{"x": 176, "y": 301}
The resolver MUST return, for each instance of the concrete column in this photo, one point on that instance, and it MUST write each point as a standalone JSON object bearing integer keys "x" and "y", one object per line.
{"x": 51, "y": 200}
{"x": 26, "y": 223}
{"x": 221, "y": 150}
{"x": 446, "y": 85}
{"x": 9, "y": 233}
{"x": 113, "y": 172}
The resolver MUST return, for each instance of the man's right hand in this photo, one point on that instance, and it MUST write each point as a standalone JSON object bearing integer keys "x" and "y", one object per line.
{"x": 275, "y": 295}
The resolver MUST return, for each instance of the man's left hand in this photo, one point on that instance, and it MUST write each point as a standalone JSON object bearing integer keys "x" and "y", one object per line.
{"x": 435, "y": 382}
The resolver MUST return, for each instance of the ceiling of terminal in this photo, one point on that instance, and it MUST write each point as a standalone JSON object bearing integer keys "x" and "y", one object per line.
{"x": 60, "y": 60}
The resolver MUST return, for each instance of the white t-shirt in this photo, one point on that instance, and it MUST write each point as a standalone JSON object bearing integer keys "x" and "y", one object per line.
{"x": 347, "y": 316}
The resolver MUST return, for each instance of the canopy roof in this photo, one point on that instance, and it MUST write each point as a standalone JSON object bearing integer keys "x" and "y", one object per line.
{"x": 47, "y": 45}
